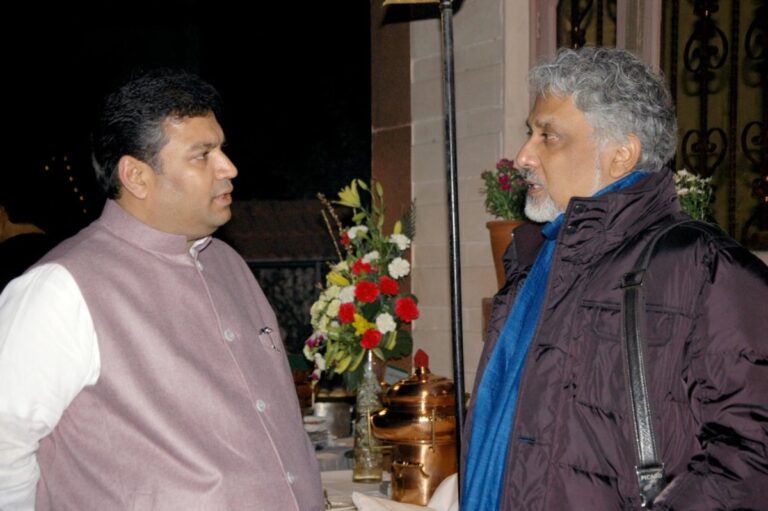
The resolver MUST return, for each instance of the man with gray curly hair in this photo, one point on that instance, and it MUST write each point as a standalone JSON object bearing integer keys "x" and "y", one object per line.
{"x": 550, "y": 424}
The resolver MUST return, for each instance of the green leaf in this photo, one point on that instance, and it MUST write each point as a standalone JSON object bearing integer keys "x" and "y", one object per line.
{"x": 356, "y": 362}
{"x": 370, "y": 310}
{"x": 379, "y": 190}
{"x": 362, "y": 184}
{"x": 343, "y": 365}
{"x": 402, "y": 347}
{"x": 379, "y": 353}
{"x": 359, "y": 217}
{"x": 391, "y": 341}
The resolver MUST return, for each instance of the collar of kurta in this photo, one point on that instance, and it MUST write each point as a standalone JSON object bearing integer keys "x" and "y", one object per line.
{"x": 124, "y": 225}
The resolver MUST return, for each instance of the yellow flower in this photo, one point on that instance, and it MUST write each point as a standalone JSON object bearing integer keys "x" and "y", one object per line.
{"x": 348, "y": 196}
{"x": 362, "y": 325}
{"x": 337, "y": 279}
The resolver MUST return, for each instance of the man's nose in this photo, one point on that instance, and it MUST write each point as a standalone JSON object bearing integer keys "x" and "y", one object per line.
{"x": 526, "y": 156}
{"x": 227, "y": 169}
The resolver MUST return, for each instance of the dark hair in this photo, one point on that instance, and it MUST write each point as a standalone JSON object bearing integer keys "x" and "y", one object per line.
{"x": 619, "y": 96}
{"x": 131, "y": 122}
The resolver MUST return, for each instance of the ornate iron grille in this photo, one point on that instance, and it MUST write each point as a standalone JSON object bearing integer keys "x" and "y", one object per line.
{"x": 586, "y": 22}
{"x": 716, "y": 60}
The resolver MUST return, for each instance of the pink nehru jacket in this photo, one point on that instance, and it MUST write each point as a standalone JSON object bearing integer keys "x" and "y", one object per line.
{"x": 193, "y": 409}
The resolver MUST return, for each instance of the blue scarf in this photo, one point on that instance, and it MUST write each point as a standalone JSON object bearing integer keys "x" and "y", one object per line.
{"x": 496, "y": 397}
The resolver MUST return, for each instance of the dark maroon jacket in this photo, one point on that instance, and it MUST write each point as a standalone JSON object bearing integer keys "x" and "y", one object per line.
{"x": 707, "y": 363}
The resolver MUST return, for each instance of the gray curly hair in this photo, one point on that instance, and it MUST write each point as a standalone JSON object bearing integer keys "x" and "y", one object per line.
{"x": 619, "y": 96}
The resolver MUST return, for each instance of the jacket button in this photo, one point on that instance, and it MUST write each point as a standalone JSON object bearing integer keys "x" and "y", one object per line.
{"x": 579, "y": 208}
{"x": 571, "y": 229}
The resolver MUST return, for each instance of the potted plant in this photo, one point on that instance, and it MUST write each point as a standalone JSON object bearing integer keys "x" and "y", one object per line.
{"x": 695, "y": 194}
{"x": 504, "y": 191}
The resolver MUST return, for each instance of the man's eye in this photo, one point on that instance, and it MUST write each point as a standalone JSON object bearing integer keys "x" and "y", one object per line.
{"x": 202, "y": 156}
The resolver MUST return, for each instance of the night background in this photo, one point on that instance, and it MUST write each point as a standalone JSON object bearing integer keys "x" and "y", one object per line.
{"x": 294, "y": 78}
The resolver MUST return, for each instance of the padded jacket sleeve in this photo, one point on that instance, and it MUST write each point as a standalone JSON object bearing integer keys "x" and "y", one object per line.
{"x": 726, "y": 379}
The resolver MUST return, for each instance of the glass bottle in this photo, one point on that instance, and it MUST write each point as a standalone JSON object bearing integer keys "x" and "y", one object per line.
{"x": 368, "y": 449}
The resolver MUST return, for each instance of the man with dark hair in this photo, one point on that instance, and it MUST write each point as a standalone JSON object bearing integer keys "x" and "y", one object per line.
{"x": 550, "y": 424}
{"x": 140, "y": 363}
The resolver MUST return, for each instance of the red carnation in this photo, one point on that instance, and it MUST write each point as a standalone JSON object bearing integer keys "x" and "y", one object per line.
{"x": 388, "y": 285}
{"x": 366, "y": 291}
{"x": 360, "y": 266}
{"x": 347, "y": 312}
{"x": 371, "y": 339}
{"x": 345, "y": 239}
{"x": 406, "y": 309}
{"x": 504, "y": 182}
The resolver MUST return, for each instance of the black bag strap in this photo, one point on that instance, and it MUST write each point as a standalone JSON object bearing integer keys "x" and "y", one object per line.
{"x": 649, "y": 468}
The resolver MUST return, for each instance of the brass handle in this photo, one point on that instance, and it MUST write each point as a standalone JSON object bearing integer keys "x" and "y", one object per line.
{"x": 402, "y": 465}
{"x": 433, "y": 420}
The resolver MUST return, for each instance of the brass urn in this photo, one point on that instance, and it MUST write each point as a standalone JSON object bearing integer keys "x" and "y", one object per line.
{"x": 419, "y": 420}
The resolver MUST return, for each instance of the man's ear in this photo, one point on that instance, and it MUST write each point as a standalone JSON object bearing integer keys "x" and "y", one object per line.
{"x": 135, "y": 176}
{"x": 625, "y": 157}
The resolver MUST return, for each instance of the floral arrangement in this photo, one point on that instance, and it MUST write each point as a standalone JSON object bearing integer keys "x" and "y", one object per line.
{"x": 505, "y": 191}
{"x": 362, "y": 307}
{"x": 695, "y": 194}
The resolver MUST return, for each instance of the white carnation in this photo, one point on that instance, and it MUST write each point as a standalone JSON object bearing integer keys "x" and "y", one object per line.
{"x": 331, "y": 293}
{"x": 347, "y": 294}
{"x": 399, "y": 268}
{"x": 340, "y": 267}
{"x": 371, "y": 256}
{"x": 353, "y": 231}
{"x": 319, "y": 361}
{"x": 333, "y": 308}
{"x": 385, "y": 323}
{"x": 401, "y": 240}
{"x": 317, "y": 308}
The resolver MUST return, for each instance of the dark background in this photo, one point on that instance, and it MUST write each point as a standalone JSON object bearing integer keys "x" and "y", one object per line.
{"x": 294, "y": 77}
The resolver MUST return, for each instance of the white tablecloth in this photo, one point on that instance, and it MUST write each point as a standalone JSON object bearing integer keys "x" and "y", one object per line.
{"x": 339, "y": 486}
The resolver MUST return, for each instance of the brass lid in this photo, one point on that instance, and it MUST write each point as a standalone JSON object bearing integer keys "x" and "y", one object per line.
{"x": 422, "y": 391}
{"x": 418, "y": 409}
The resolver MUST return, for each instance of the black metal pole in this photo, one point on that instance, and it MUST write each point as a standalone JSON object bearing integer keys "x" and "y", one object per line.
{"x": 446, "y": 18}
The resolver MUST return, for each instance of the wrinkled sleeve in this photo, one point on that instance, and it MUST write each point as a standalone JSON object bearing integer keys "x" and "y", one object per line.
{"x": 48, "y": 353}
{"x": 727, "y": 384}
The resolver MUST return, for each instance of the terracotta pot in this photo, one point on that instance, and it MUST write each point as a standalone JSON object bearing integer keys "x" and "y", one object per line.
{"x": 501, "y": 235}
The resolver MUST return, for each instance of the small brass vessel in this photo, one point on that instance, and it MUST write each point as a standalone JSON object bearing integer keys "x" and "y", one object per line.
{"x": 419, "y": 420}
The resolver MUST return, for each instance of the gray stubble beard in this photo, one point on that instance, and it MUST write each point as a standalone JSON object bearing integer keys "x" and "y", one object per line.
{"x": 544, "y": 209}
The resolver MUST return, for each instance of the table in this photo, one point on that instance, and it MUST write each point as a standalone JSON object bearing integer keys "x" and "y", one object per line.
{"x": 339, "y": 486}
{"x": 333, "y": 456}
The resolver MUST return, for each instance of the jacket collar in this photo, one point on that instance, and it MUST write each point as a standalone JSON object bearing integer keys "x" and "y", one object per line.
{"x": 594, "y": 226}
{"x": 124, "y": 225}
